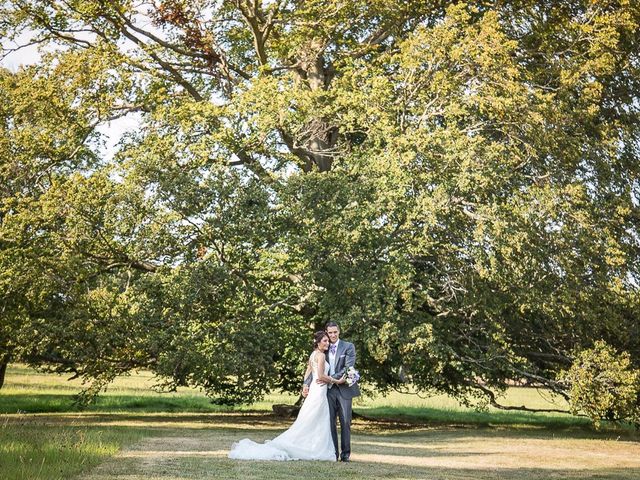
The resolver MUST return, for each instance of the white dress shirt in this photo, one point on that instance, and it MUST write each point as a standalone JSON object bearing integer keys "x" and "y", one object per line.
{"x": 332, "y": 359}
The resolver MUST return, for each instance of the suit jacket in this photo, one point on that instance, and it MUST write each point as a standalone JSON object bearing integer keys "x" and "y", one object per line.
{"x": 345, "y": 358}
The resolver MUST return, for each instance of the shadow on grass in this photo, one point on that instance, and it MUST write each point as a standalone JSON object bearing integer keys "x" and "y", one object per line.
{"x": 484, "y": 418}
{"x": 383, "y": 419}
{"x": 60, "y": 403}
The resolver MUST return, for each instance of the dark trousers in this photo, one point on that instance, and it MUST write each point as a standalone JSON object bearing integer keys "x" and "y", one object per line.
{"x": 340, "y": 407}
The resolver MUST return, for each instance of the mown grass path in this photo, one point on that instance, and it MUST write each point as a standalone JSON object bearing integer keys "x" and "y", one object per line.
{"x": 198, "y": 450}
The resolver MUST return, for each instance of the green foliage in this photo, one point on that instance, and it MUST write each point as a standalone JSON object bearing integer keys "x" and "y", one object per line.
{"x": 457, "y": 186}
{"x": 604, "y": 385}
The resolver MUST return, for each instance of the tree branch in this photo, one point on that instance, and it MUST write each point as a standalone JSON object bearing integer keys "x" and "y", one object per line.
{"x": 251, "y": 15}
{"x": 223, "y": 60}
{"x": 494, "y": 403}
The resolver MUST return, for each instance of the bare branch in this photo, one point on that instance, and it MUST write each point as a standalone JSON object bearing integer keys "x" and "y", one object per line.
{"x": 121, "y": 260}
{"x": 164, "y": 64}
{"x": 225, "y": 65}
{"x": 9, "y": 51}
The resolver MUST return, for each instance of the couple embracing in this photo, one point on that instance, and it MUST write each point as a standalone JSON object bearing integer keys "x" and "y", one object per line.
{"x": 329, "y": 387}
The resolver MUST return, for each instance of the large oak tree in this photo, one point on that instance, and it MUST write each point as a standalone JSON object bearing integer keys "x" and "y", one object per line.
{"x": 455, "y": 184}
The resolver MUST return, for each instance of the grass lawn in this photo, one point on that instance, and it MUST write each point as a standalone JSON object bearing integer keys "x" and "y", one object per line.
{"x": 34, "y": 450}
{"x": 28, "y": 391}
{"x": 406, "y": 454}
{"x": 179, "y": 446}
{"x": 136, "y": 433}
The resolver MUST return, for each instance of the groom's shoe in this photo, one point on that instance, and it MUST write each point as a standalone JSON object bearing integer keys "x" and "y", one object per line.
{"x": 345, "y": 458}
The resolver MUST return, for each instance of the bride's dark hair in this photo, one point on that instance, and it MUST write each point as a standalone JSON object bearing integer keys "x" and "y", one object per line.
{"x": 317, "y": 338}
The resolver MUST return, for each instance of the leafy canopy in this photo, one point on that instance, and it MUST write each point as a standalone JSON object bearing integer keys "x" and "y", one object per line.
{"x": 456, "y": 185}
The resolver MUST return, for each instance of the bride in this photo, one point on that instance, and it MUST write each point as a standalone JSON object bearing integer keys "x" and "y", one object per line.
{"x": 309, "y": 438}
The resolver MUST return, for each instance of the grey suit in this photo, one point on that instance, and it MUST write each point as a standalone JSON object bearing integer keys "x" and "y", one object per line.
{"x": 340, "y": 398}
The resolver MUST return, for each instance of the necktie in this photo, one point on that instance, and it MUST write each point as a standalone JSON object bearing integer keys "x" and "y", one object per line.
{"x": 333, "y": 347}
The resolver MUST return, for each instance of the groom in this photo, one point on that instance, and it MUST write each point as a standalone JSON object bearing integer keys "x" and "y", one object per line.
{"x": 341, "y": 356}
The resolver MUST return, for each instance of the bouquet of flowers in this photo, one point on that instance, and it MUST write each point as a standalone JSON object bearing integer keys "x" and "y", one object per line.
{"x": 352, "y": 376}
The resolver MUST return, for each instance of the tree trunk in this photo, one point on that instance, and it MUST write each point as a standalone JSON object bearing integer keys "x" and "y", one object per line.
{"x": 321, "y": 145}
{"x": 3, "y": 370}
{"x": 322, "y": 135}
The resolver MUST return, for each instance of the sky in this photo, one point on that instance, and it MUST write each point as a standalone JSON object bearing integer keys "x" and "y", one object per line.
{"x": 25, "y": 56}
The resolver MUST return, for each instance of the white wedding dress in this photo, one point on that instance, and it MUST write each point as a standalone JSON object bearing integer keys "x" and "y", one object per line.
{"x": 309, "y": 438}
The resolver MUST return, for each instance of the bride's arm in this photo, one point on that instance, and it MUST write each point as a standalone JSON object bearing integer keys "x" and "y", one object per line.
{"x": 306, "y": 379}
{"x": 321, "y": 376}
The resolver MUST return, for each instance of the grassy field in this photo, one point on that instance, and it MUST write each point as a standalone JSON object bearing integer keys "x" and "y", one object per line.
{"x": 31, "y": 392}
{"x": 134, "y": 432}
{"x": 37, "y": 450}
{"x": 418, "y": 453}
